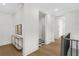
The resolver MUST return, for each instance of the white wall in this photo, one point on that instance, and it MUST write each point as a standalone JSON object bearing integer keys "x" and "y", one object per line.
{"x": 72, "y": 24}
{"x": 17, "y": 18}
{"x": 6, "y": 28}
{"x": 48, "y": 29}
{"x": 30, "y": 29}
{"x": 55, "y": 27}
{"x": 53, "y": 30}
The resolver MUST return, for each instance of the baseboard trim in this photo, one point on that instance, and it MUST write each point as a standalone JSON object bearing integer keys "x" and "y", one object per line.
{"x": 5, "y": 44}
{"x": 27, "y": 53}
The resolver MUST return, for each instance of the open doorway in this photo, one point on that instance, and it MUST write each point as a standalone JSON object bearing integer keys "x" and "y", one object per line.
{"x": 41, "y": 29}
{"x": 59, "y": 26}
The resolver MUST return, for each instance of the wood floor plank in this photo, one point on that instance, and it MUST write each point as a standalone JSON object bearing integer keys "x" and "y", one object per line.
{"x": 9, "y": 50}
{"x": 52, "y": 49}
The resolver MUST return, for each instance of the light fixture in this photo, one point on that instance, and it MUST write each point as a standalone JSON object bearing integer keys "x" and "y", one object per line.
{"x": 3, "y": 4}
{"x": 56, "y": 9}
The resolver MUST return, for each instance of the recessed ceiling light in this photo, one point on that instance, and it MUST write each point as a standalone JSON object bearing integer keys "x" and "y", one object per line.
{"x": 56, "y": 10}
{"x": 3, "y": 4}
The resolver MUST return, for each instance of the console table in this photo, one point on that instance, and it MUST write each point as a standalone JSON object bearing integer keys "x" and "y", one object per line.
{"x": 17, "y": 42}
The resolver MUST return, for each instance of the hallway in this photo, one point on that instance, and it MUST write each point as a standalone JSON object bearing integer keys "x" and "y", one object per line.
{"x": 52, "y": 49}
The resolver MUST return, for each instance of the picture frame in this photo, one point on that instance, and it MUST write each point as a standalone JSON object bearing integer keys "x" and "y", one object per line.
{"x": 19, "y": 29}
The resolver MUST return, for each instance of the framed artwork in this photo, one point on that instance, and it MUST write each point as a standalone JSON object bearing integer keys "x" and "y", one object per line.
{"x": 19, "y": 29}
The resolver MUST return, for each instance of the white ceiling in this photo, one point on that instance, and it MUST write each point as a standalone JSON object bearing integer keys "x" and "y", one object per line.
{"x": 9, "y": 8}
{"x": 63, "y": 7}
{"x": 48, "y": 7}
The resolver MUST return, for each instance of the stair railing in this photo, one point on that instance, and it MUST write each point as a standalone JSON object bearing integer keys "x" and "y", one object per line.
{"x": 67, "y": 43}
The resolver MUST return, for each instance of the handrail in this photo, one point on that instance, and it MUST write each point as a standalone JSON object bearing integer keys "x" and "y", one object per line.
{"x": 66, "y": 43}
{"x": 71, "y": 39}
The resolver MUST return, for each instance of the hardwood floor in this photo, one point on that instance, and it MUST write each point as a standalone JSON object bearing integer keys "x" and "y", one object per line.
{"x": 52, "y": 49}
{"x": 9, "y": 50}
